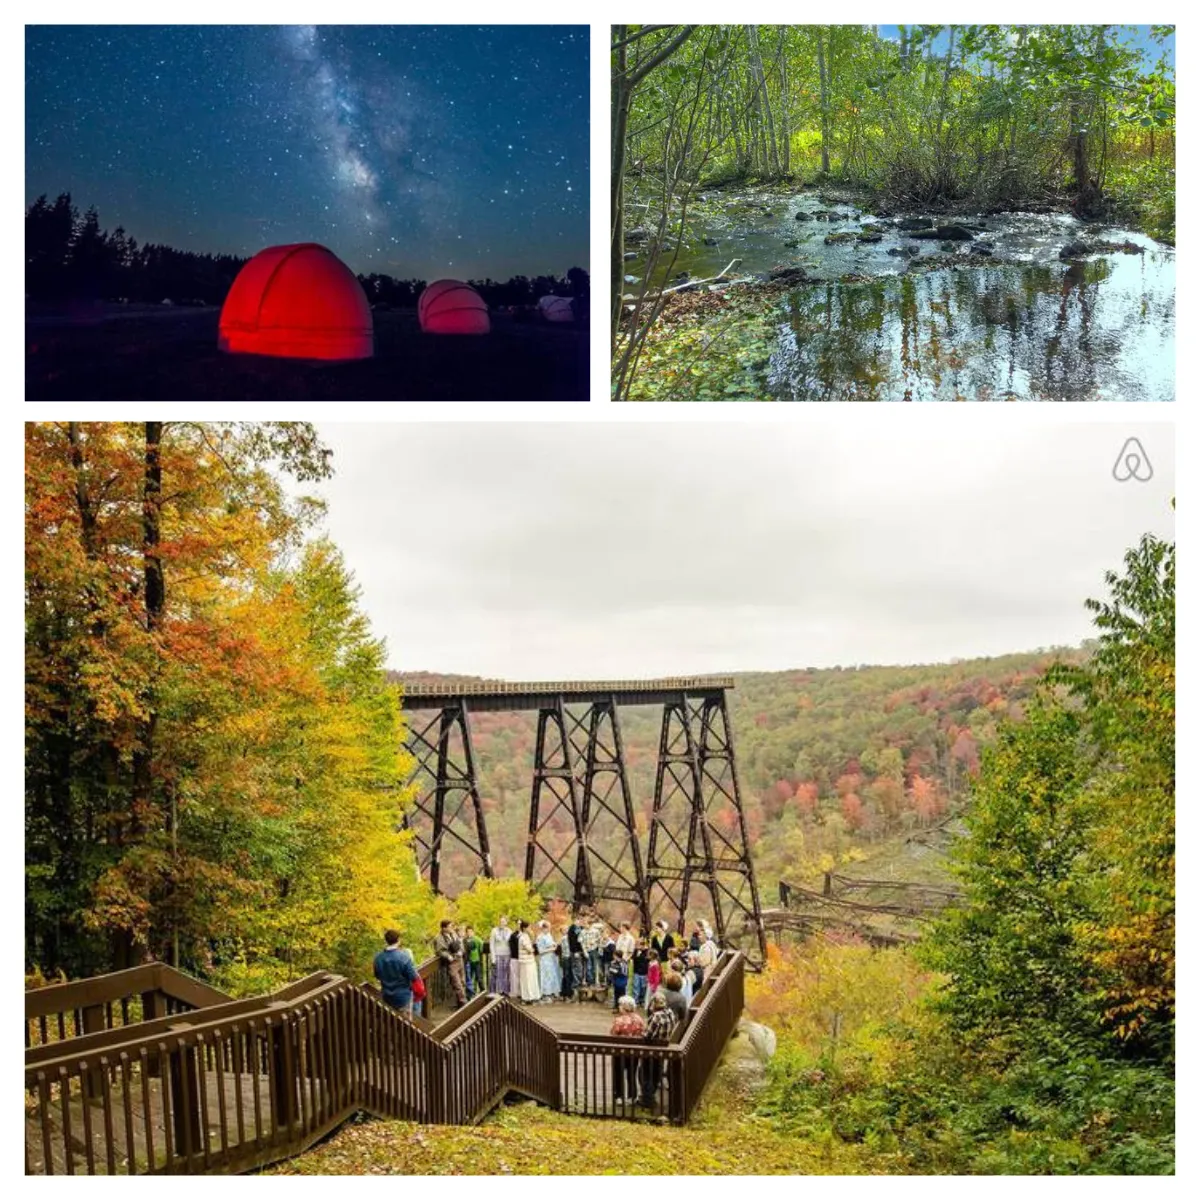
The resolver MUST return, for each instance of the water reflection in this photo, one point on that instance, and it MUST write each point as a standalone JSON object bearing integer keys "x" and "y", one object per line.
{"x": 1097, "y": 330}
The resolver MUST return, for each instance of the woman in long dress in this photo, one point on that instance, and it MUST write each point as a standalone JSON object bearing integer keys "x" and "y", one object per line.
{"x": 498, "y": 945}
{"x": 527, "y": 966}
{"x": 549, "y": 976}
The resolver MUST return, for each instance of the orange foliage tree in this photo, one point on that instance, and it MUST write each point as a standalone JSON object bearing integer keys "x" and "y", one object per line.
{"x": 208, "y": 726}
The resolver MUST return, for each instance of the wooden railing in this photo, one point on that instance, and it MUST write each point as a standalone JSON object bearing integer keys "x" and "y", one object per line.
{"x": 617, "y": 1077}
{"x": 60, "y": 1011}
{"x": 712, "y": 1019}
{"x": 235, "y": 1085}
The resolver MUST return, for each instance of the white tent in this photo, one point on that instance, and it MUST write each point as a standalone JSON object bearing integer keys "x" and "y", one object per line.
{"x": 555, "y": 308}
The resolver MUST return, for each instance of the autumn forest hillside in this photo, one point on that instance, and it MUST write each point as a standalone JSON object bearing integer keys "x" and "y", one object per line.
{"x": 833, "y": 763}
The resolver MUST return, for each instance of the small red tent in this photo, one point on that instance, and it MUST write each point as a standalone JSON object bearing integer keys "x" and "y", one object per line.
{"x": 451, "y": 306}
{"x": 297, "y": 301}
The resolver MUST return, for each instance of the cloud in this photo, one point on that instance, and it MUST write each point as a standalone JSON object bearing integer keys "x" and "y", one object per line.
{"x": 568, "y": 549}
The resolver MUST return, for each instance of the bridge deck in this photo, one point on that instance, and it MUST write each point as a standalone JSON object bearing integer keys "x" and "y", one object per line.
{"x": 498, "y": 695}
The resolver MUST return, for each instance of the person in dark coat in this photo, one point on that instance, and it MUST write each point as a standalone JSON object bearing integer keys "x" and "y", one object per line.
{"x": 663, "y": 940}
{"x": 640, "y": 973}
{"x": 564, "y": 963}
{"x": 575, "y": 942}
{"x": 396, "y": 972}
{"x": 448, "y": 947}
{"x": 514, "y": 953}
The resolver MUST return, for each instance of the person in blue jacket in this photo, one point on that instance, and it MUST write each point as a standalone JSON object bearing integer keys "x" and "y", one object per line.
{"x": 396, "y": 972}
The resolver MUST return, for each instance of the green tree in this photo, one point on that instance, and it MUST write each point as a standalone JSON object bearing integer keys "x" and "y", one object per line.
{"x": 1010, "y": 952}
{"x": 488, "y": 900}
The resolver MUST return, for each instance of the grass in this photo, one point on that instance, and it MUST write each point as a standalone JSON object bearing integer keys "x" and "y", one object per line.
{"x": 724, "y": 1138}
{"x": 171, "y": 354}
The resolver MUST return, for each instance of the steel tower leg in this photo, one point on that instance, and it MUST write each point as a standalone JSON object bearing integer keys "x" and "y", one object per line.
{"x": 445, "y": 782}
{"x": 555, "y": 814}
{"x": 611, "y": 849}
{"x": 698, "y": 828}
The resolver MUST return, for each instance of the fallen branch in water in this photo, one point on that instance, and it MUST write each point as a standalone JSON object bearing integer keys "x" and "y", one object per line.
{"x": 693, "y": 283}
{"x": 728, "y": 283}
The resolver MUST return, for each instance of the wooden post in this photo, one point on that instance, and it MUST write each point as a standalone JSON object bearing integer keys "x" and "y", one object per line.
{"x": 154, "y": 1005}
{"x": 283, "y": 1093}
{"x": 93, "y": 1022}
{"x": 185, "y": 1100}
{"x": 435, "y": 1079}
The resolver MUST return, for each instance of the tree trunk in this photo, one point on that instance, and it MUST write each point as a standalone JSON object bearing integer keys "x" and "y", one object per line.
{"x": 622, "y": 97}
{"x": 739, "y": 153}
{"x": 155, "y": 598}
{"x": 785, "y": 124}
{"x": 762, "y": 105}
{"x": 624, "y": 84}
{"x": 824, "y": 103}
{"x": 944, "y": 98}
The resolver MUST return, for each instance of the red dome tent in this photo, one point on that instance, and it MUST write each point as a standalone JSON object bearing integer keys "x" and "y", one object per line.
{"x": 451, "y": 306}
{"x": 297, "y": 301}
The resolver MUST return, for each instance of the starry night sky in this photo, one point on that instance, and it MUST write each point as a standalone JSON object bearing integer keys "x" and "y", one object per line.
{"x": 414, "y": 151}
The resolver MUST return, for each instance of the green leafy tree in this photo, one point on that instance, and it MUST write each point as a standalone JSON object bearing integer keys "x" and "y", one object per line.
{"x": 1010, "y": 952}
{"x": 487, "y": 900}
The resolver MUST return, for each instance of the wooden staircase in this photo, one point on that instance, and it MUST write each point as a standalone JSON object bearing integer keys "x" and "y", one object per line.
{"x": 151, "y": 1071}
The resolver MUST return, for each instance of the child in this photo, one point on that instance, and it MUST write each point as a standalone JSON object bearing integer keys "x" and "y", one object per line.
{"x": 653, "y": 972}
{"x": 618, "y": 974}
{"x": 474, "y": 956}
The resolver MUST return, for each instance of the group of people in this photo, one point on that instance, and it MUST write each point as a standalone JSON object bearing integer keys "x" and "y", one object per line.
{"x": 537, "y": 965}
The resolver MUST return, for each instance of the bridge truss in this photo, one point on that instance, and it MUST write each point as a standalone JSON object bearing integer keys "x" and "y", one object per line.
{"x": 582, "y": 836}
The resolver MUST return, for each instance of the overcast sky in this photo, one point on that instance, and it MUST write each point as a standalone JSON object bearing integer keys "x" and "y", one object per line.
{"x": 552, "y": 551}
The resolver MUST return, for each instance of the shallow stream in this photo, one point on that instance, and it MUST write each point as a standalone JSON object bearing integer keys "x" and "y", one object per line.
{"x": 937, "y": 319}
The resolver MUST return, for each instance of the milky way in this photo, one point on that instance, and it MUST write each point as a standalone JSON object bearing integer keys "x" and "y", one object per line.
{"x": 410, "y": 150}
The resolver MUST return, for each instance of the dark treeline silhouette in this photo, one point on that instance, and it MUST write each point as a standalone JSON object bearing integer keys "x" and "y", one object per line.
{"x": 69, "y": 257}
{"x": 383, "y": 290}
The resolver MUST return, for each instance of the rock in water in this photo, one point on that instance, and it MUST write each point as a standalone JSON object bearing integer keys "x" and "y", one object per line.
{"x": 803, "y": 216}
{"x": 943, "y": 233}
{"x": 914, "y": 223}
{"x": 630, "y": 255}
{"x": 870, "y": 235}
{"x": 640, "y": 234}
{"x": 1074, "y": 250}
